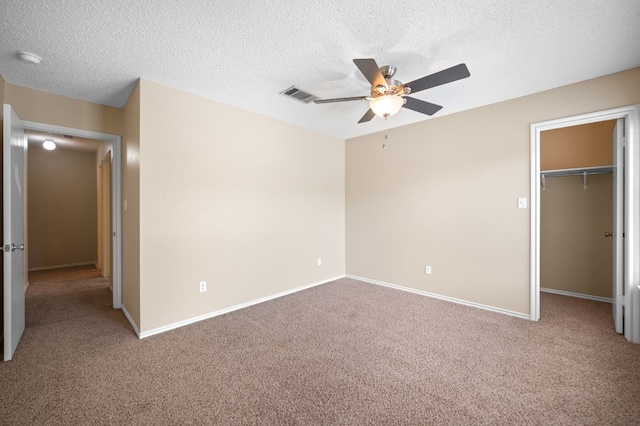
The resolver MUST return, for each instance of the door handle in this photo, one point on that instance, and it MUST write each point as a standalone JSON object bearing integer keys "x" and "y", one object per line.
{"x": 608, "y": 234}
{"x": 13, "y": 247}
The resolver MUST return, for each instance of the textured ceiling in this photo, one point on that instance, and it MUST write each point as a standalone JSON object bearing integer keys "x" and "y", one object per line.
{"x": 246, "y": 53}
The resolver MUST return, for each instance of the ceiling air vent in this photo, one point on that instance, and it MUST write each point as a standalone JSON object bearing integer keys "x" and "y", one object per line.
{"x": 299, "y": 95}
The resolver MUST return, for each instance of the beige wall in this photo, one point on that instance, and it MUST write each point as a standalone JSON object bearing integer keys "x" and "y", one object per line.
{"x": 248, "y": 203}
{"x": 575, "y": 256}
{"x": 131, "y": 206}
{"x": 62, "y": 213}
{"x": 2, "y": 100}
{"x": 245, "y": 202}
{"x": 587, "y": 145}
{"x": 43, "y": 107}
{"x": 444, "y": 193}
{"x": 2, "y": 85}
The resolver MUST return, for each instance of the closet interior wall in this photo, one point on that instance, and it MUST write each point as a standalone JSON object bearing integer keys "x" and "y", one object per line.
{"x": 577, "y": 210}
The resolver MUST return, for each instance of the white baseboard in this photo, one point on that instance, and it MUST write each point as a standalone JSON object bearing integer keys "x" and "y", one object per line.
{"x": 441, "y": 297}
{"x": 580, "y": 295}
{"x": 68, "y": 265}
{"x": 133, "y": 324}
{"x": 226, "y": 310}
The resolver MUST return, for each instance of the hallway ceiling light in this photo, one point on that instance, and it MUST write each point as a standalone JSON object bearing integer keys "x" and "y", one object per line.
{"x": 49, "y": 145}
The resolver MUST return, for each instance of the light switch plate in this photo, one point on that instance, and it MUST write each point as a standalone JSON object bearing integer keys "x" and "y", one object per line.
{"x": 522, "y": 203}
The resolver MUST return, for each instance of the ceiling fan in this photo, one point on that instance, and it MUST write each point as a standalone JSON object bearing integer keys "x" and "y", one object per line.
{"x": 389, "y": 95}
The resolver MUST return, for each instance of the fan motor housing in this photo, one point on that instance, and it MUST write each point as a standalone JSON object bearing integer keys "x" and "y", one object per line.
{"x": 394, "y": 87}
{"x": 388, "y": 71}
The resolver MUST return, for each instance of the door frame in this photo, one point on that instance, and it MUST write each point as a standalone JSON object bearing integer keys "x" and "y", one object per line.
{"x": 631, "y": 115}
{"x": 105, "y": 218}
{"x": 116, "y": 180}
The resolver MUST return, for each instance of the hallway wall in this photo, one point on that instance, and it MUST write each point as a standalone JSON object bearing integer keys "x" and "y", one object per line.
{"x": 62, "y": 207}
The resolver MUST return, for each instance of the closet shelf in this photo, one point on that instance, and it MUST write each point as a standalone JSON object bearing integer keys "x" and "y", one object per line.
{"x": 580, "y": 171}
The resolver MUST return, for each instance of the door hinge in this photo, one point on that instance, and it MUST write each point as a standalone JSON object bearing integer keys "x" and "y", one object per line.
{"x": 621, "y": 142}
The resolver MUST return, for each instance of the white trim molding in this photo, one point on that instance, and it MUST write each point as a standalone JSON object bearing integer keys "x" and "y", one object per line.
{"x": 130, "y": 319}
{"x": 578, "y": 295}
{"x": 225, "y": 310}
{"x": 68, "y": 265}
{"x": 631, "y": 116}
{"x": 441, "y": 297}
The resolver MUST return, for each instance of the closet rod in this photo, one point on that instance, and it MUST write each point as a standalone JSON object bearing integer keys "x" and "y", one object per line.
{"x": 581, "y": 171}
{"x": 578, "y": 171}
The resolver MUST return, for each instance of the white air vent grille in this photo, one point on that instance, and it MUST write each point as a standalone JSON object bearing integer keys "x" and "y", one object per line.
{"x": 299, "y": 95}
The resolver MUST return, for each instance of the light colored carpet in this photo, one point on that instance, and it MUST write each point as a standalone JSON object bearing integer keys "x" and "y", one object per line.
{"x": 346, "y": 352}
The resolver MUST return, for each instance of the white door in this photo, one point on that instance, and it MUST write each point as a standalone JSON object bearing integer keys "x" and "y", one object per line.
{"x": 14, "y": 146}
{"x": 618, "y": 225}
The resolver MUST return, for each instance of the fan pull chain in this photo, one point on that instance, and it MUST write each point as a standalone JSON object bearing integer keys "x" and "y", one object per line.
{"x": 386, "y": 125}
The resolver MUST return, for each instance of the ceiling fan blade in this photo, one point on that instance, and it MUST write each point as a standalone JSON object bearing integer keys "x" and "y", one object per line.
{"x": 371, "y": 71}
{"x": 367, "y": 117}
{"x": 327, "y": 101}
{"x": 457, "y": 72}
{"x": 421, "y": 106}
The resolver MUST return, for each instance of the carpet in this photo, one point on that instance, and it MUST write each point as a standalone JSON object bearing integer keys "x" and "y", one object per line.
{"x": 346, "y": 352}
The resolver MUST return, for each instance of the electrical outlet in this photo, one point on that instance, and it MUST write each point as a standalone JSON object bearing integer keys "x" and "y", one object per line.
{"x": 319, "y": 261}
{"x": 427, "y": 270}
{"x": 203, "y": 286}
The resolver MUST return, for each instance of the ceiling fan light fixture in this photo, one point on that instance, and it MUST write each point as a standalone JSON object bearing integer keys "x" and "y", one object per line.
{"x": 389, "y": 95}
{"x": 386, "y": 106}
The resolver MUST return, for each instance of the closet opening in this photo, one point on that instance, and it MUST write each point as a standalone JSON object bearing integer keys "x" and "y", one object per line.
{"x": 577, "y": 211}
{"x": 589, "y": 192}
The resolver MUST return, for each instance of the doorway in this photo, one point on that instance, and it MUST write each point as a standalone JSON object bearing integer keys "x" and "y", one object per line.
{"x": 68, "y": 199}
{"x": 110, "y": 233}
{"x": 630, "y": 243}
{"x": 576, "y": 211}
